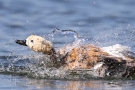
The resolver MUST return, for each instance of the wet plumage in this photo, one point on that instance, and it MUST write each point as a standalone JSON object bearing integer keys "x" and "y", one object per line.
{"x": 116, "y": 61}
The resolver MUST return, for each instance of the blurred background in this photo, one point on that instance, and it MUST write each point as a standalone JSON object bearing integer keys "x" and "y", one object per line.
{"x": 102, "y": 22}
{"x": 105, "y": 22}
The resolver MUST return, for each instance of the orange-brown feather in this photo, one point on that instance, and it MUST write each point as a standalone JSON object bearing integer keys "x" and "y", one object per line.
{"x": 84, "y": 57}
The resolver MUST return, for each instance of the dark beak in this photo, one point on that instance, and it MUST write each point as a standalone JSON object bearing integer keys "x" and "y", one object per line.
{"x": 21, "y": 42}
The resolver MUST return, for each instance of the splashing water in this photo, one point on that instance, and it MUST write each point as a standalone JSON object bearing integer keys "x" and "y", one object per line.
{"x": 35, "y": 66}
{"x": 71, "y": 36}
{"x": 76, "y": 35}
{"x": 38, "y": 65}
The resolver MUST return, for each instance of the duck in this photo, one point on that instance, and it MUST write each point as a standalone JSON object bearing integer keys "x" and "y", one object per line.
{"x": 111, "y": 61}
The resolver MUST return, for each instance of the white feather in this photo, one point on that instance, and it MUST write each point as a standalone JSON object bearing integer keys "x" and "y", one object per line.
{"x": 116, "y": 50}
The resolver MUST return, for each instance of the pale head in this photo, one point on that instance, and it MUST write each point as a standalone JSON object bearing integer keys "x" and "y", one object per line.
{"x": 37, "y": 43}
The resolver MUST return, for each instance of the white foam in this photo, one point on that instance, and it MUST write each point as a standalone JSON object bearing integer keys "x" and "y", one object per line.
{"x": 116, "y": 50}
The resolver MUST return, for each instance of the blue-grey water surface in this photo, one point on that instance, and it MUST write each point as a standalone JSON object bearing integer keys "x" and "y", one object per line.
{"x": 102, "y": 22}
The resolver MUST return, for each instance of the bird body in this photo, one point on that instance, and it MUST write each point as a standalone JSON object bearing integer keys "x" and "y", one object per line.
{"x": 107, "y": 61}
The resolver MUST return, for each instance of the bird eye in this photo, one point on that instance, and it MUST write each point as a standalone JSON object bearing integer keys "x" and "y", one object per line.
{"x": 31, "y": 40}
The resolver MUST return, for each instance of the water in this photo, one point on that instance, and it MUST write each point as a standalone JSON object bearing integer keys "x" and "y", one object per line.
{"x": 22, "y": 83}
{"x": 101, "y": 23}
